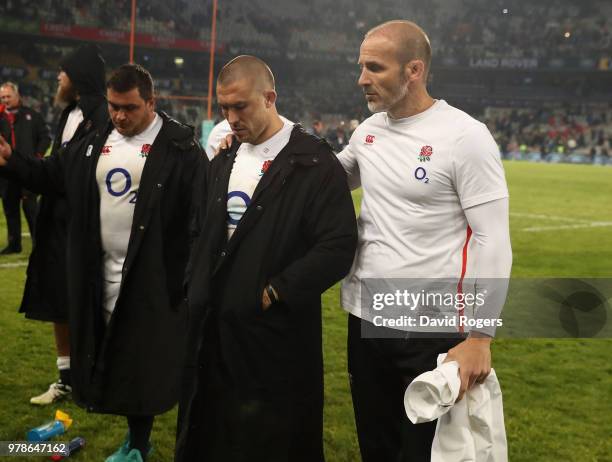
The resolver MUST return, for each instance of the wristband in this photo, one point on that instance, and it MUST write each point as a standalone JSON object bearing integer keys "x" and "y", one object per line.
{"x": 271, "y": 294}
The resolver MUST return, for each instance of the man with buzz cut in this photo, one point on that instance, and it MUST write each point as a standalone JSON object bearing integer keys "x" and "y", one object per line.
{"x": 280, "y": 229}
{"x": 129, "y": 191}
{"x": 435, "y": 205}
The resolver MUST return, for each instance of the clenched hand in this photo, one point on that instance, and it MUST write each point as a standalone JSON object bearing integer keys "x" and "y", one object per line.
{"x": 474, "y": 358}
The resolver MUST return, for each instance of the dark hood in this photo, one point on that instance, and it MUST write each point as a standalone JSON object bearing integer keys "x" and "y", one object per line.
{"x": 86, "y": 70}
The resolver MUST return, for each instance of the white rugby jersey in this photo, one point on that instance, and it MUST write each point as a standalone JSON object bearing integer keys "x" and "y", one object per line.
{"x": 118, "y": 176}
{"x": 75, "y": 117}
{"x": 418, "y": 175}
{"x": 218, "y": 134}
{"x": 250, "y": 164}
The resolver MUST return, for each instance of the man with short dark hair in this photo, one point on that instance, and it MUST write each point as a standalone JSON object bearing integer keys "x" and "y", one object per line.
{"x": 280, "y": 229}
{"x": 435, "y": 205}
{"x": 29, "y": 136}
{"x": 80, "y": 94}
{"x": 317, "y": 128}
{"x": 129, "y": 189}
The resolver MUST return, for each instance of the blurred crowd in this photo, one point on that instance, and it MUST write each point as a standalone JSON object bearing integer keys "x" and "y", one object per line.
{"x": 559, "y": 129}
{"x": 552, "y": 132}
{"x": 321, "y": 93}
{"x": 517, "y": 29}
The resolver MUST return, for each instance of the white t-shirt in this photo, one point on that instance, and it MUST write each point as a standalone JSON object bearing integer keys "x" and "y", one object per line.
{"x": 418, "y": 175}
{"x": 218, "y": 134}
{"x": 251, "y": 163}
{"x": 75, "y": 117}
{"x": 118, "y": 176}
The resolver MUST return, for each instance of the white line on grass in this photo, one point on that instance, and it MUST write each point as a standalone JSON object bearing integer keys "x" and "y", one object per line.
{"x": 549, "y": 217}
{"x": 17, "y": 264}
{"x": 594, "y": 224}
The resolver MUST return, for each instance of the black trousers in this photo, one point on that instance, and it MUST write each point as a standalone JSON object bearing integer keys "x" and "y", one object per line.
{"x": 15, "y": 195}
{"x": 244, "y": 430}
{"x": 380, "y": 370}
{"x": 229, "y": 421}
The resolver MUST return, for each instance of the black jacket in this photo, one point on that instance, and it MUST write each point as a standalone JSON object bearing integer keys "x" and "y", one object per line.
{"x": 31, "y": 133}
{"x": 298, "y": 233}
{"x": 45, "y": 297}
{"x": 5, "y": 132}
{"x": 132, "y": 366}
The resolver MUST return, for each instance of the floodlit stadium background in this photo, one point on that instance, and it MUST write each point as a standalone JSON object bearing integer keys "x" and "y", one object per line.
{"x": 538, "y": 73}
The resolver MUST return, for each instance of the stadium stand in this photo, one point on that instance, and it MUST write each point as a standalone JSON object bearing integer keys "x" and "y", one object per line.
{"x": 542, "y": 85}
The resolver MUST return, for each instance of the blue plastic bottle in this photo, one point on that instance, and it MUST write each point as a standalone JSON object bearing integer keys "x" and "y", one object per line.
{"x": 46, "y": 431}
{"x": 75, "y": 445}
{"x": 59, "y": 425}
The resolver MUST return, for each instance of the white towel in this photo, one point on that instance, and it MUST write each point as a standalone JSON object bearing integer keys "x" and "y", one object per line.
{"x": 470, "y": 430}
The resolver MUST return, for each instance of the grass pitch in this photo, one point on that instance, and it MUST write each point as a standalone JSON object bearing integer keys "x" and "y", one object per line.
{"x": 557, "y": 393}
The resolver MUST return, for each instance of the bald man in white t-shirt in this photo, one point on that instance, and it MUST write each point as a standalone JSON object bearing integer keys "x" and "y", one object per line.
{"x": 435, "y": 205}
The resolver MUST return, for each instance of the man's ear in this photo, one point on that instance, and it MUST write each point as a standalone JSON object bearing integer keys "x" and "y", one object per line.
{"x": 270, "y": 97}
{"x": 414, "y": 70}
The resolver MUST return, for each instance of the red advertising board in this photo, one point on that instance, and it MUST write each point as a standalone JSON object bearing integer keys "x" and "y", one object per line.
{"x": 117, "y": 36}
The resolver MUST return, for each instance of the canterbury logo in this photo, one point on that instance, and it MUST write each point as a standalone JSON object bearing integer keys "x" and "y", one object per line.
{"x": 369, "y": 139}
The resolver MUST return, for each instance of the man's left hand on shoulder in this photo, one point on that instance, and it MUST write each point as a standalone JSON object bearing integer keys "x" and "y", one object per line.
{"x": 474, "y": 358}
{"x": 224, "y": 144}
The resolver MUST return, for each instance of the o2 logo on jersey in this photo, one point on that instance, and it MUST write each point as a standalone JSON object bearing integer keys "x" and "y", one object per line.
{"x": 237, "y": 203}
{"x": 117, "y": 177}
{"x": 421, "y": 174}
